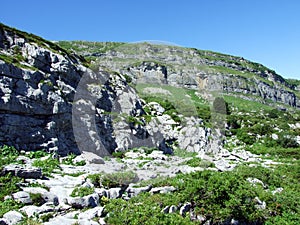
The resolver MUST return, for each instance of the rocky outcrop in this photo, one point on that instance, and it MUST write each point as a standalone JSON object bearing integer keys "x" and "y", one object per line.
{"x": 50, "y": 101}
{"x": 36, "y": 94}
{"x": 196, "y": 69}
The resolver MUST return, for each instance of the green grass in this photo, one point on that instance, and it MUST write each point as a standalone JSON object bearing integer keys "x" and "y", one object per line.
{"x": 48, "y": 165}
{"x": 82, "y": 191}
{"x": 69, "y": 160}
{"x": 197, "y": 162}
{"x": 184, "y": 101}
{"x": 246, "y": 105}
{"x": 183, "y": 153}
{"x": 117, "y": 179}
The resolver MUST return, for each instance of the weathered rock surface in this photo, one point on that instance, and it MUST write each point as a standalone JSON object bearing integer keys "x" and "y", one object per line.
{"x": 27, "y": 172}
{"x": 194, "y": 69}
{"x": 12, "y": 217}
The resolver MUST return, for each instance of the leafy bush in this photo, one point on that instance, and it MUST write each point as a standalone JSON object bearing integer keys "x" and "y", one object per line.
{"x": 218, "y": 197}
{"x": 8, "y": 205}
{"x": 48, "y": 165}
{"x": 37, "y": 154}
{"x": 8, "y": 155}
{"x": 118, "y": 179}
{"x": 37, "y": 199}
{"x": 69, "y": 160}
{"x": 119, "y": 154}
{"x": 82, "y": 191}
{"x": 8, "y": 185}
{"x": 197, "y": 162}
{"x": 244, "y": 136}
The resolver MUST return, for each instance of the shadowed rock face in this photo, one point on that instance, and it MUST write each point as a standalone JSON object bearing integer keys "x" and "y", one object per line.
{"x": 41, "y": 89}
{"x": 36, "y": 94}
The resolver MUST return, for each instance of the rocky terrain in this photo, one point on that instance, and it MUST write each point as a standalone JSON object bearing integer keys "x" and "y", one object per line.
{"x": 113, "y": 133}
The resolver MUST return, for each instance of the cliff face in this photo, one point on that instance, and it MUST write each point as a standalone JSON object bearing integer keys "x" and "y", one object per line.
{"x": 37, "y": 86}
{"x": 49, "y": 100}
{"x": 192, "y": 68}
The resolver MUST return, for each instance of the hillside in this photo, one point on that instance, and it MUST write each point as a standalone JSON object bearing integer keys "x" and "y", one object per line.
{"x": 191, "y": 68}
{"x": 116, "y": 133}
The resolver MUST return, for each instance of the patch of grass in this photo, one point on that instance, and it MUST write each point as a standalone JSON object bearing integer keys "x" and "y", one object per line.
{"x": 8, "y": 155}
{"x": 197, "y": 162}
{"x": 77, "y": 174}
{"x": 117, "y": 179}
{"x": 69, "y": 160}
{"x": 48, "y": 165}
{"x": 37, "y": 154}
{"x": 46, "y": 217}
{"x": 82, "y": 191}
{"x": 183, "y": 153}
{"x": 8, "y": 185}
{"x": 37, "y": 199}
{"x": 9, "y": 205}
{"x": 246, "y": 105}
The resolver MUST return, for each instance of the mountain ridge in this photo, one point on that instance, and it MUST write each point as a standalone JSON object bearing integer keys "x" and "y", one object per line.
{"x": 191, "y": 64}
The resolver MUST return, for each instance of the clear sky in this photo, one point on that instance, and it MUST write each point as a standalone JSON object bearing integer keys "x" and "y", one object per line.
{"x": 264, "y": 31}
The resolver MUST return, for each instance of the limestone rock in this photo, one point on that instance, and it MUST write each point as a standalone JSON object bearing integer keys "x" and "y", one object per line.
{"x": 91, "y": 213}
{"x": 184, "y": 209}
{"x": 46, "y": 195}
{"x": 13, "y": 217}
{"x": 163, "y": 190}
{"x": 22, "y": 197}
{"x": 84, "y": 202}
{"x": 26, "y": 172}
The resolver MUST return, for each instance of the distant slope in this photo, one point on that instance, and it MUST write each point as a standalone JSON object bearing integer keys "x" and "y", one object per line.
{"x": 191, "y": 68}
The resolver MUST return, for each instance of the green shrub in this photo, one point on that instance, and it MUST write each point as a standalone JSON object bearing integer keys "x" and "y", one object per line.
{"x": 9, "y": 205}
{"x": 183, "y": 153}
{"x": 82, "y": 191}
{"x": 243, "y": 135}
{"x": 69, "y": 160}
{"x": 118, "y": 179}
{"x": 8, "y": 155}
{"x": 37, "y": 199}
{"x": 119, "y": 154}
{"x": 37, "y": 154}
{"x": 197, "y": 162}
{"x": 47, "y": 165}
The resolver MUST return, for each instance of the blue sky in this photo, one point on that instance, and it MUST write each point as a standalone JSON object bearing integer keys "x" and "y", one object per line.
{"x": 264, "y": 31}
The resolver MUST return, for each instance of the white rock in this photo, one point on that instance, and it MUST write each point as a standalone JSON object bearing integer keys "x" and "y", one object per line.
{"x": 13, "y": 217}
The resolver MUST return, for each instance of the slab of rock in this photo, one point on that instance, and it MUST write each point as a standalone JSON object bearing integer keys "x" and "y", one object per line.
{"x": 13, "y": 217}
{"x": 184, "y": 209}
{"x": 3, "y": 221}
{"x": 22, "y": 197}
{"x": 89, "y": 157}
{"x": 32, "y": 210}
{"x": 26, "y": 172}
{"x": 61, "y": 220}
{"x": 46, "y": 195}
{"x": 163, "y": 190}
{"x": 83, "y": 202}
{"x": 87, "y": 222}
{"x": 91, "y": 213}
{"x": 135, "y": 191}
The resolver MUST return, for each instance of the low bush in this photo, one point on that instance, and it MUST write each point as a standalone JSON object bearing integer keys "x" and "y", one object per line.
{"x": 217, "y": 197}
{"x": 48, "y": 165}
{"x": 82, "y": 191}
{"x": 118, "y": 179}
